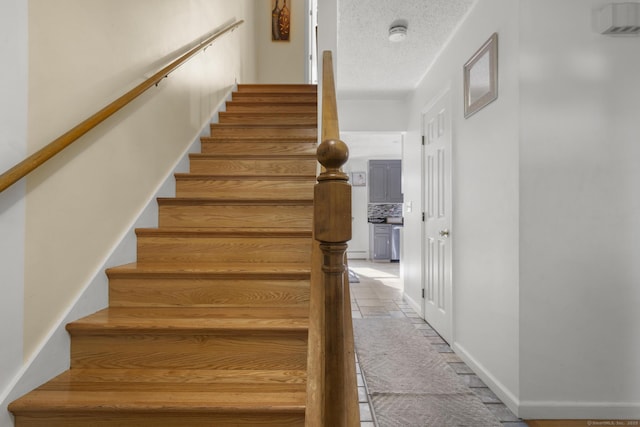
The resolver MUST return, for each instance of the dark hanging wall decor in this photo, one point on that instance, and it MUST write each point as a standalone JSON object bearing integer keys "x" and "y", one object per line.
{"x": 280, "y": 20}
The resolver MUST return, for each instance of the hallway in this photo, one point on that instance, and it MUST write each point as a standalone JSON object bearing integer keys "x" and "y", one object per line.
{"x": 378, "y": 295}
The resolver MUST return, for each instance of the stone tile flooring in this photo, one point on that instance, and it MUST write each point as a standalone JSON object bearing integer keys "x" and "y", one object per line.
{"x": 379, "y": 294}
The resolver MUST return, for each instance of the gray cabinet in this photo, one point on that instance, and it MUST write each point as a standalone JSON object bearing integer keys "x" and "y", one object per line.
{"x": 380, "y": 242}
{"x": 385, "y": 181}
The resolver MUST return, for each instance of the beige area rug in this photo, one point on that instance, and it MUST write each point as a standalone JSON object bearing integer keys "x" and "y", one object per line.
{"x": 410, "y": 384}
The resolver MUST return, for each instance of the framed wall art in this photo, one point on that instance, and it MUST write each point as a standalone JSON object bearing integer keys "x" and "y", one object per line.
{"x": 280, "y": 20}
{"x": 481, "y": 77}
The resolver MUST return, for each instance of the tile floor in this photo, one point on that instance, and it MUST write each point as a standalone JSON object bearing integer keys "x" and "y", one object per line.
{"x": 379, "y": 294}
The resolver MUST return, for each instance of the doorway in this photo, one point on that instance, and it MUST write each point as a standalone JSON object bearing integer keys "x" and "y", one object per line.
{"x": 437, "y": 286}
{"x": 311, "y": 67}
{"x": 365, "y": 147}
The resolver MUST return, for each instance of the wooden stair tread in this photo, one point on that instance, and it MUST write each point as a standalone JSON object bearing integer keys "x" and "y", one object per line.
{"x": 267, "y": 118}
{"x": 275, "y": 95}
{"x": 266, "y": 113}
{"x": 267, "y": 104}
{"x": 292, "y": 139}
{"x": 266, "y": 132}
{"x": 275, "y": 126}
{"x": 210, "y": 269}
{"x": 185, "y": 380}
{"x": 285, "y": 178}
{"x": 253, "y": 146}
{"x": 210, "y": 325}
{"x": 279, "y": 156}
{"x": 166, "y": 390}
{"x": 276, "y": 107}
{"x": 67, "y": 379}
{"x": 226, "y": 232}
{"x": 236, "y": 202}
{"x": 216, "y": 320}
{"x": 201, "y": 401}
{"x": 279, "y": 88}
{"x": 210, "y": 163}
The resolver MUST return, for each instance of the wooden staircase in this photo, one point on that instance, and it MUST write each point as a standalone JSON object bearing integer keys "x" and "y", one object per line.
{"x": 209, "y": 327}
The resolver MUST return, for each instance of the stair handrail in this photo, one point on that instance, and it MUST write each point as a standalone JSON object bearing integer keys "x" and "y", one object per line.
{"x": 22, "y": 169}
{"x": 333, "y": 395}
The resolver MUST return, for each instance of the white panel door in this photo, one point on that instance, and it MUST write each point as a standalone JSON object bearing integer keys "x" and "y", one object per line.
{"x": 437, "y": 285}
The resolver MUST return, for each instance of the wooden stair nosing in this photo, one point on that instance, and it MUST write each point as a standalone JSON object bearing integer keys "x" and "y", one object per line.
{"x": 234, "y": 131}
{"x": 278, "y": 156}
{"x": 271, "y": 271}
{"x": 278, "y": 87}
{"x": 269, "y": 114}
{"x": 179, "y": 201}
{"x": 177, "y": 376}
{"x": 164, "y": 402}
{"x": 252, "y": 119}
{"x": 192, "y": 321}
{"x": 121, "y": 314}
{"x": 288, "y": 144}
{"x": 162, "y": 419}
{"x": 212, "y": 177}
{"x": 241, "y": 107}
{"x": 245, "y": 103}
{"x": 249, "y": 146}
{"x": 176, "y": 380}
{"x": 224, "y": 232}
{"x": 257, "y": 165}
{"x": 288, "y": 139}
{"x": 274, "y": 96}
{"x": 225, "y": 136}
{"x": 275, "y": 126}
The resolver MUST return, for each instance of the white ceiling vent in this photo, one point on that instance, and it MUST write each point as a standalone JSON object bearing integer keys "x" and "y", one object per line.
{"x": 619, "y": 19}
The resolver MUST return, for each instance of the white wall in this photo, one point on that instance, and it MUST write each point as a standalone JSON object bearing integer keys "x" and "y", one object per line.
{"x": 545, "y": 229}
{"x": 327, "y": 33}
{"x": 13, "y": 144}
{"x": 484, "y": 230}
{"x": 580, "y": 210}
{"x": 327, "y": 40}
{"x": 285, "y": 61}
{"x": 372, "y": 115}
{"x": 53, "y": 250}
{"x": 111, "y": 173}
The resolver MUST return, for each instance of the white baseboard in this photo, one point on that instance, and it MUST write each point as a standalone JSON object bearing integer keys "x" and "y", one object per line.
{"x": 541, "y": 410}
{"x": 550, "y": 410}
{"x": 417, "y": 307}
{"x": 507, "y": 397}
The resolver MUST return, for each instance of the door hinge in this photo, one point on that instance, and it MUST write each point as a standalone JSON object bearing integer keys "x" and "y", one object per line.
{"x": 423, "y": 293}
{"x": 422, "y": 216}
{"x": 422, "y": 139}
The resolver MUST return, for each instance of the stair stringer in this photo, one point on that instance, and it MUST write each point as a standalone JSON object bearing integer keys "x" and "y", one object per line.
{"x": 53, "y": 354}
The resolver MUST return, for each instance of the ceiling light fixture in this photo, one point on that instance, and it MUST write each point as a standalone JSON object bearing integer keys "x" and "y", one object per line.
{"x": 397, "y": 33}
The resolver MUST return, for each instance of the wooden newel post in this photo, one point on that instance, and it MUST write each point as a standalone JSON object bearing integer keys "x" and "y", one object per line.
{"x": 333, "y": 231}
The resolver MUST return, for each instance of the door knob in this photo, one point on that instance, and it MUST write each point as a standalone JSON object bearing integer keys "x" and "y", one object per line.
{"x": 444, "y": 233}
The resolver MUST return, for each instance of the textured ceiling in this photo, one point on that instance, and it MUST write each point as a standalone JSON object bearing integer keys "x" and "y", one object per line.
{"x": 369, "y": 65}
